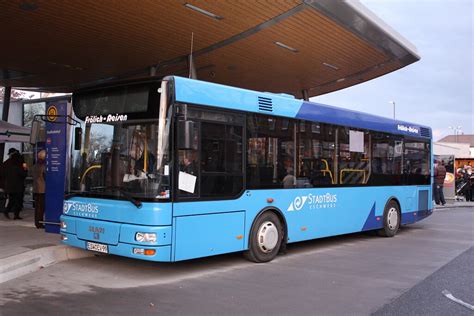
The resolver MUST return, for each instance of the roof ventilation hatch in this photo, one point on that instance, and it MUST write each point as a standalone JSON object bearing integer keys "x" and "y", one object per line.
{"x": 265, "y": 104}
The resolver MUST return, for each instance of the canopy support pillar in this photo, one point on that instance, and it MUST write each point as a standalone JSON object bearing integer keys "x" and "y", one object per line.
{"x": 305, "y": 94}
{"x": 6, "y": 110}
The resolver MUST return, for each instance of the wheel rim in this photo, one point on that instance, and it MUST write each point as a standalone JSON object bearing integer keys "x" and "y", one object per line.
{"x": 392, "y": 218}
{"x": 267, "y": 237}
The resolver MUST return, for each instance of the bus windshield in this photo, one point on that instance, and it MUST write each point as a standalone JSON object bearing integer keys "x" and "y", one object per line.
{"x": 120, "y": 156}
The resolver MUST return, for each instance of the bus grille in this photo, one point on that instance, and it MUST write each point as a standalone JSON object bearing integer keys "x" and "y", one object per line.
{"x": 425, "y": 132}
{"x": 423, "y": 200}
{"x": 265, "y": 104}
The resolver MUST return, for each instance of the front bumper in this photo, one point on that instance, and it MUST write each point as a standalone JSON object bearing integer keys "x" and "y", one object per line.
{"x": 162, "y": 253}
{"x": 119, "y": 237}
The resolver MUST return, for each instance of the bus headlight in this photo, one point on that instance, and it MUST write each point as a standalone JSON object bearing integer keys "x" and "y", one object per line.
{"x": 145, "y": 237}
{"x": 63, "y": 225}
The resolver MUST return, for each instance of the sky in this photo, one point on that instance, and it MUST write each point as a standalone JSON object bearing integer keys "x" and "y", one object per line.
{"x": 437, "y": 90}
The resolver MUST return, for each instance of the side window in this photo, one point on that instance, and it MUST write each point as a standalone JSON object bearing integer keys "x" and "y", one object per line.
{"x": 270, "y": 152}
{"x": 387, "y": 155}
{"x": 189, "y": 166}
{"x": 416, "y": 162}
{"x": 316, "y": 150}
{"x": 221, "y": 160}
{"x": 211, "y": 162}
{"x": 354, "y": 156}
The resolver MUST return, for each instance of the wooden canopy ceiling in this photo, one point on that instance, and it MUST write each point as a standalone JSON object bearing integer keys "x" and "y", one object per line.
{"x": 62, "y": 45}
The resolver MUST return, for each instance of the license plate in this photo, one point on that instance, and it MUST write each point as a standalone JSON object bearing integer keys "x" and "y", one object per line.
{"x": 92, "y": 246}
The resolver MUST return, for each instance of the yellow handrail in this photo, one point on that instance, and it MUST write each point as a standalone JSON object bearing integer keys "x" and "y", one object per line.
{"x": 327, "y": 170}
{"x": 145, "y": 159}
{"x": 89, "y": 169}
{"x": 352, "y": 170}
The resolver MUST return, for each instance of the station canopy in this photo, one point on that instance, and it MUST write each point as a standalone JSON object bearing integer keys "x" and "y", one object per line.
{"x": 282, "y": 46}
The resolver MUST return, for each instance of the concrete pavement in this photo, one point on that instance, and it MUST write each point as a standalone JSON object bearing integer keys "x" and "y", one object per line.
{"x": 25, "y": 249}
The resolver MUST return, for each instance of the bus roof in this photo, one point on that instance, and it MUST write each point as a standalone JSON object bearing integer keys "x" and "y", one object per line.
{"x": 206, "y": 93}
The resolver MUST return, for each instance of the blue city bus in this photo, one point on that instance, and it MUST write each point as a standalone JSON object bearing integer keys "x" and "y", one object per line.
{"x": 173, "y": 169}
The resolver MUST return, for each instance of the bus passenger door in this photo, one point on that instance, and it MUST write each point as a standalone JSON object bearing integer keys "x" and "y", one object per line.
{"x": 210, "y": 168}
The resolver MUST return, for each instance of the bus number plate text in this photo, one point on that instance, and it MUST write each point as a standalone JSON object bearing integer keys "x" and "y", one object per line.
{"x": 97, "y": 247}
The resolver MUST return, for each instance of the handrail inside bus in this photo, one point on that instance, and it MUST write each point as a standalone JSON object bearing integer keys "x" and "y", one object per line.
{"x": 327, "y": 170}
{"x": 87, "y": 171}
{"x": 352, "y": 170}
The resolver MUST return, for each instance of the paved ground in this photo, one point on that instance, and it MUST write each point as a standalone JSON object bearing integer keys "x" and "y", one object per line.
{"x": 427, "y": 297}
{"x": 20, "y": 236}
{"x": 356, "y": 274}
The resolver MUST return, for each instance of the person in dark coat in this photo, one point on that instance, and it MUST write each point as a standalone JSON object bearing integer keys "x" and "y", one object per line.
{"x": 14, "y": 175}
{"x": 439, "y": 174}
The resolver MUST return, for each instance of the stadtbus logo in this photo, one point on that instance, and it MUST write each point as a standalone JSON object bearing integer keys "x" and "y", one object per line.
{"x": 81, "y": 209}
{"x": 313, "y": 202}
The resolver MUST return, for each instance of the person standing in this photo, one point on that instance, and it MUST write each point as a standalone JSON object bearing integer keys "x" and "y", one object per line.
{"x": 439, "y": 174}
{"x": 14, "y": 175}
{"x": 468, "y": 190}
{"x": 39, "y": 185}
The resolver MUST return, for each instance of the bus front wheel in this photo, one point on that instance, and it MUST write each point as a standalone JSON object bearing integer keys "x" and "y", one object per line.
{"x": 391, "y": 219}
{"x": 265, "y": 238}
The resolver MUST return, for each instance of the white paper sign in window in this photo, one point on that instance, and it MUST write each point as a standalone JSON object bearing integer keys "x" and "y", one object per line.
{"x": 356, "y": 141}
{"x": 186, "y": 182}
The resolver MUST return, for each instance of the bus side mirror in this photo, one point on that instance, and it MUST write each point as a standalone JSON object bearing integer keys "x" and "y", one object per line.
{"x": 77, "y": 138}
{"x": 186, "y": 135}
{"x": 35, "y": 131}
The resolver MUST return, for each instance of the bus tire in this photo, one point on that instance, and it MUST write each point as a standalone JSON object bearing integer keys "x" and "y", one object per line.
{"x": 391, "y": 220}
{"x": 265, "y": 238}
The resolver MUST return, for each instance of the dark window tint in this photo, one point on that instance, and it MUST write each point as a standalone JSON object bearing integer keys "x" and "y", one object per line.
{"x": 353, "y": 157}
{"x": 316, "y": 143}
{"x": 221, "y": 160}
{"x": 270, "y": 152}
{"x": 416, "y": 163}
{"x": 215, "y": 162}
{"x": 387, "y": 153}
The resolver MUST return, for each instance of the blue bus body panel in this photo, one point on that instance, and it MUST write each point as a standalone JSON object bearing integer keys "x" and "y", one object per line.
{"x": 119, "y": 211}
{"x": 216, "y": 95}
{"x": 211, "y": 94}
{"x": 209, "y": 228}
{"x": 315, "y": 213}
{"x": 114, "y": 223}
{"x": 103, "y": 232}
{"x": 207, "y": 235}
{"x": 333, "y": 115}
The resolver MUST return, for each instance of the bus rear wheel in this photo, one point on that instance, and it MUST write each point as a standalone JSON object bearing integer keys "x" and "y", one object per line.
{"x": 391, "y": 220}
{"x": 265, "y": 238}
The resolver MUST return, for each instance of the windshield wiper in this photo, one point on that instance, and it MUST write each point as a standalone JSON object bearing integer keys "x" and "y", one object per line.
{"x": 125, "y": 194}
{"x": 71, "y": 195}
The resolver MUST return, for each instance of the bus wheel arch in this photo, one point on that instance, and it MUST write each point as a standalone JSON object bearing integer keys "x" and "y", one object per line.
{"x": 267, "y": 222}
{"x": 392, "y": 218}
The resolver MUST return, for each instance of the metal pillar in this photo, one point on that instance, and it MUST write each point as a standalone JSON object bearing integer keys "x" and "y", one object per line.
{"x": 305, "y": 94}
{"x": 6, "y": 110}
{"x": 192, "y": 67}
